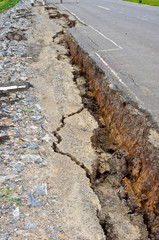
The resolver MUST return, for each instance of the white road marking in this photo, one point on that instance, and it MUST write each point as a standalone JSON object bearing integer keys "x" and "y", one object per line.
{"x": 115, "y": 74}
{"x": 142, "y": 18}
{"x": 104, "y": 8}
{"x": 73, "y": 14}
{"x": 120, "y": 48}
{"x": 106, "y": 37}
{"x": 105, "y": 50}
{"x": 119, "y": 79}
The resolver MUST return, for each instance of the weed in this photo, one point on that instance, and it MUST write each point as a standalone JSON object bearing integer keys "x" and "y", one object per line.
{"x": 6, "y": 193}
{"x": 27, "y": 110}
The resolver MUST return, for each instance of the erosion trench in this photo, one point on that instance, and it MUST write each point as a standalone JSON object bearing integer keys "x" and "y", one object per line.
{"x": 123, "y": 167}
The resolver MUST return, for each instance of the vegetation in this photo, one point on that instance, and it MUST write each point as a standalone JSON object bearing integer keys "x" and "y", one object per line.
{"x": 148, "y": 2}
{"x": 6, "y": 194}
{"x": 6, "y": 4}
{"x": 27, "y": 110}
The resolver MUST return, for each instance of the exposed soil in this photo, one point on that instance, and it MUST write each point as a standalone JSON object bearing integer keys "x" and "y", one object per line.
{"x": 124, "y": 128}
{"x": 121, "y": 221}
{"x": 76, "y": 184}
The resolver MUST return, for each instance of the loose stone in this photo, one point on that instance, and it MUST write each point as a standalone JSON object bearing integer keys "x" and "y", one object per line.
{"x": 40, "y": 189}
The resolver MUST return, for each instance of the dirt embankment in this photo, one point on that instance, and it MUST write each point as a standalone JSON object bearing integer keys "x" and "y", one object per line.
{"x": 124, "y": 128}
{"x": 125, "y": 133}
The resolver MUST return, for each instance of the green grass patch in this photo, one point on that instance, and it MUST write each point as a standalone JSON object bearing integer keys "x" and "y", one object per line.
{"x": 6, "y": 194}
{"x": 27, "y": 110}
{"x": 148, "y": 2}
{"x": 6, "y": 4}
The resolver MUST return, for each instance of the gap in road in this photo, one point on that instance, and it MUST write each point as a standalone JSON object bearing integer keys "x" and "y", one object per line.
{"x": 107, "y": 178}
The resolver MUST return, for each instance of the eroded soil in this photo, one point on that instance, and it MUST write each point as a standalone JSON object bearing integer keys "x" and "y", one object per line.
{"x": 75, "y": 123}
{"x": 76, "y": 192}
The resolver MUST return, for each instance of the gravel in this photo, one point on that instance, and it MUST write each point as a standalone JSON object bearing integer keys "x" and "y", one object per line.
{"x": 21, "y": 127}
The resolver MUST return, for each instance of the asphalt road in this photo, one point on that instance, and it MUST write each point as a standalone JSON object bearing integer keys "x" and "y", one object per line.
{"x": 123, "y": 38}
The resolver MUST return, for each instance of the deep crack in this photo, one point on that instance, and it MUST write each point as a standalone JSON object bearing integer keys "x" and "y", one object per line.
{"x": 72, "y": 114}
{"x": 124, "y": 127}
{"x": 57, "y": 35}
{"x": 59, "y": 139}
{"x": 105, "y": 178}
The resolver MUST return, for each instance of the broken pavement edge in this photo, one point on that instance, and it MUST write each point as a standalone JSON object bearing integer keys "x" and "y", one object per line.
{"x": 128, "y": 129}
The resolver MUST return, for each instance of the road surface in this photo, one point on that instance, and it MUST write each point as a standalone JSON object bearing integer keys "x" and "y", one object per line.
{"x": 122, "y": 37}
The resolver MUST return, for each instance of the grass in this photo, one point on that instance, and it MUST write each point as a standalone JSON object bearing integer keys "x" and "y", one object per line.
{"x": 6, "y": 4}
{"x": 6, "y": 194}
{"x": 27, "y": 110}
{"x": 148, "y": 2}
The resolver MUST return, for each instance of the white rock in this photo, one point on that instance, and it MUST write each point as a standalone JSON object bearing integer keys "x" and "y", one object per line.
{"x": 16, "y": 212}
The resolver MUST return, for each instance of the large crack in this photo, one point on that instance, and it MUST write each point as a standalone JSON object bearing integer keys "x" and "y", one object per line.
{"x": 59, "y": 139}
{"x": 111, "y": 169}
{"x": 116, "y": 166}
{"x": 124, "y": 127}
